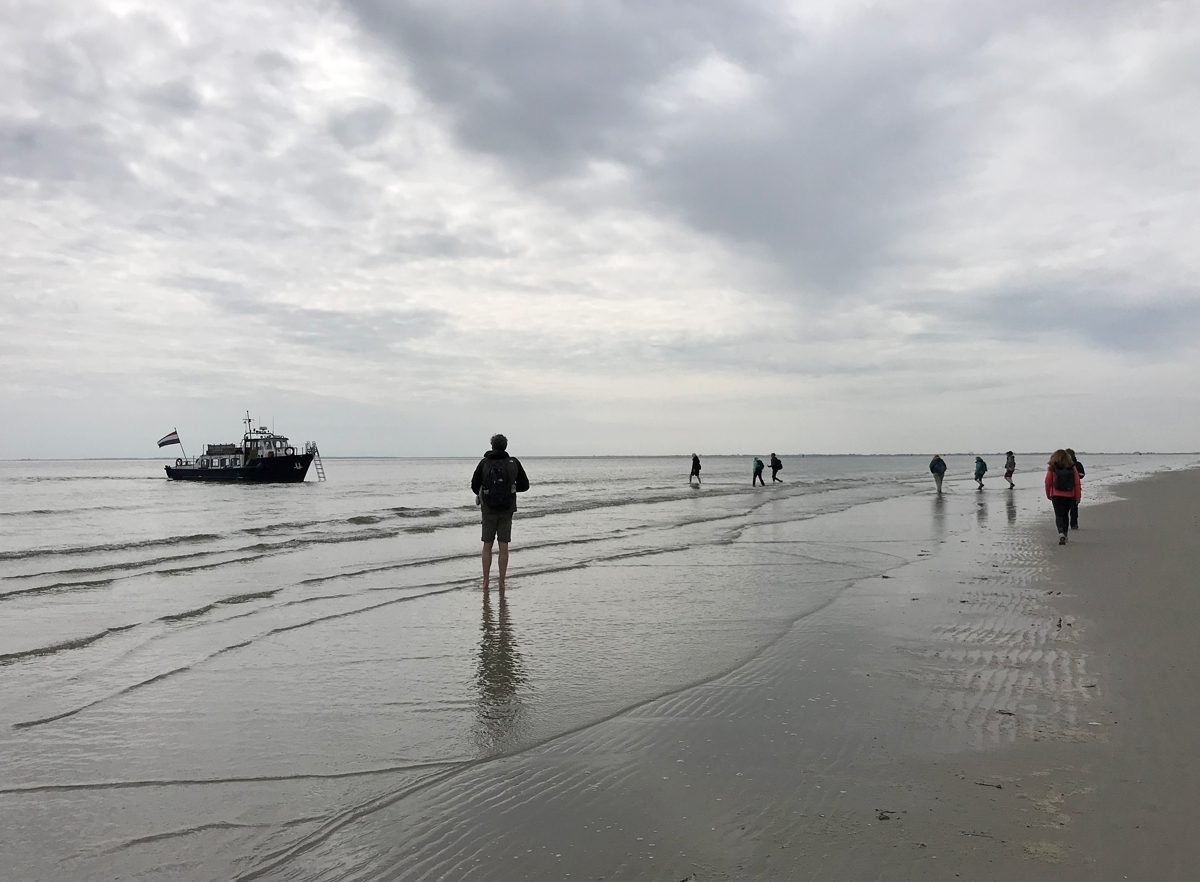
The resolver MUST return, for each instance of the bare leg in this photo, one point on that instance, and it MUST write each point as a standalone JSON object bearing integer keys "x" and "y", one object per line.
{"x": 503, "y": 562}
{"x": 487, "y": 563}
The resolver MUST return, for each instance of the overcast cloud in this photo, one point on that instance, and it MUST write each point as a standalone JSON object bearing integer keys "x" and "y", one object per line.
{"x": 644, "y": 227}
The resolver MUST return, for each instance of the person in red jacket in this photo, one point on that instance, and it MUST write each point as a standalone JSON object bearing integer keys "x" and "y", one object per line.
{"x": 1063, "y": 489}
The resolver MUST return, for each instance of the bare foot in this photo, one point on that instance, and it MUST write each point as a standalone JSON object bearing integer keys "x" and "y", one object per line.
{"x": 485, "y": 583}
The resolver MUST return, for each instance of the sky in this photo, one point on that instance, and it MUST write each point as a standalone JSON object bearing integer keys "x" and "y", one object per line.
{"x": 645, "y": 227}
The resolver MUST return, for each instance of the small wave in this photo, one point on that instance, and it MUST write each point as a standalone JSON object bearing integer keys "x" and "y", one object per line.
{"x": 111, "y": 546}
{"x": 187, "y": 613}
{"x": 433, "y": 765}
{"x": 363, "y": 519}
{"x": 209, "y": 607}
{"x": 41, "y": 721}
{"x": 246, "y": 598}
{"x": 139, "y": 563}
{"x": 79, "y": 643}
{"x": 57, "y": 586}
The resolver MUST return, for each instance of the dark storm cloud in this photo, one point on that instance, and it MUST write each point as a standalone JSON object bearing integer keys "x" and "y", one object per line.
{"x": 547, "y": 85}
{"x": 845, "y": 140}
{"x": 850, "y": 135}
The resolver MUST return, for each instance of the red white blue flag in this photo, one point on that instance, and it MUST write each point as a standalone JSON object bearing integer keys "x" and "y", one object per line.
{"x": 171, "y": 437}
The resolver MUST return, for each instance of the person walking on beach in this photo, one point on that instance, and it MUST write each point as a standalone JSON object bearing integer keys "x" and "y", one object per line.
{"x": 758, "y": 470}
{"x": 980, "y": 471}
{"x": 937, "y": 467}
{"x": 1075, "y": 508}
{"x": 1010, "y": 466}
{"x": 776, "y": 465}
{"x": 496, "y": 482}
{"x": 695, "y": 472}
{"x": 1063, "y": 489}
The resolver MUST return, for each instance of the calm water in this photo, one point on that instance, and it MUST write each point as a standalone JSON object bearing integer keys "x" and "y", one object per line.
{"x": 196, "y": 677}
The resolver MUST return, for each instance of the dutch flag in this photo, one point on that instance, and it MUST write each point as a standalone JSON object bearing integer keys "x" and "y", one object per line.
{"x": 171, "y": 437}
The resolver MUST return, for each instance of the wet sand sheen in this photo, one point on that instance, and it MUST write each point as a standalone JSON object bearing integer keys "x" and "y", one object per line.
{"x": 351, "y": 709}
{"x": 979, "y": 713}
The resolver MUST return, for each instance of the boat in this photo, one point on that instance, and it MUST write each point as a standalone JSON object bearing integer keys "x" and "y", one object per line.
{"x": 261, "y": 457}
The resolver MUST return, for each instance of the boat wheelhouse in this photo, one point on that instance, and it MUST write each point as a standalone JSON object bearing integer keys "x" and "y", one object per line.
{"x": 261, "y": 457}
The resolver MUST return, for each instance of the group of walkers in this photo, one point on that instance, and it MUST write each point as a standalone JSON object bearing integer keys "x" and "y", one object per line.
{"x": 1064, "y": 488}
{"x": 756, "y": 475}
{"x": 498, "y": 478}
{"x": 937, "y": 466}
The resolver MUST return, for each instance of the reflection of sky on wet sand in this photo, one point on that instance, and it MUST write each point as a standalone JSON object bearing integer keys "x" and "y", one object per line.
{"x": 499, "y": 676}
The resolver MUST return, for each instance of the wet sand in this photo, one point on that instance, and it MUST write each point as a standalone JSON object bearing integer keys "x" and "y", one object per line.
{"x": 993, "y": 707}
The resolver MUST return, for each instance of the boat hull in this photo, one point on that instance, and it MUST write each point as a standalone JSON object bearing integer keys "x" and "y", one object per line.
{"x": 272, "y": 470}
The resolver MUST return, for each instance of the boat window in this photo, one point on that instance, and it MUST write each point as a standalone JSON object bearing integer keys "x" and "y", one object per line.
{"x": 278, "y": 444}
{"x": 224, "y": 462}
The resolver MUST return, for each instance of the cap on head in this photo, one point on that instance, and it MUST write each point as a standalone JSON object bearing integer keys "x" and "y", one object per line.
{"x": 499, "y": 442}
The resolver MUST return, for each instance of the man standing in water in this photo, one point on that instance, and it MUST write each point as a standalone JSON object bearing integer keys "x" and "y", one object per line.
{"x": 937, "y": 467}
{"x": 776, "y": 465}
{"x": 695, "y": 473}
{"x": 497, "y": 480}
{"x": 758, "y": 470}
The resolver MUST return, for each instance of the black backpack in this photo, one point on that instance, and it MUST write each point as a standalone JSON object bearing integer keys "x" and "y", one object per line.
{"x": 498, "y": 490}
{"x": 1064, "y": 479}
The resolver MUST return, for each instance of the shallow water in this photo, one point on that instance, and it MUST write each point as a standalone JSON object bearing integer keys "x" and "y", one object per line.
{"x": 195, "y": 678}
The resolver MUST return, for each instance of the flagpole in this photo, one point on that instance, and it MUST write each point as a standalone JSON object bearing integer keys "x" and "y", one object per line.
{"x": 181, "y": 450}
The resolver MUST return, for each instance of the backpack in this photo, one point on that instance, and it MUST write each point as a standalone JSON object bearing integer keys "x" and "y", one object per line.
{"x": 1064, "y": 479}
{"x": 497, "y": 490}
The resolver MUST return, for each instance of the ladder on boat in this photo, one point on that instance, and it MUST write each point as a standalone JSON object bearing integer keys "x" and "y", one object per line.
{"x": 312, "y": 448}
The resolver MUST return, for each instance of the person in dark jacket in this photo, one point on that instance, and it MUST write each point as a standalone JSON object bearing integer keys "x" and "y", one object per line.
{"x": 937, "y": 467}
{"x": 758, "y": 470}
{"x": 695, "y": 473}
{"x": 1063, "y": 489}
{"x": 1010, "y": 466}
{"x": 496, "y": 482}
{"x": 776, "y": 465}
{"x": 980, "y": 471}
{"x": 1075, "y": 507}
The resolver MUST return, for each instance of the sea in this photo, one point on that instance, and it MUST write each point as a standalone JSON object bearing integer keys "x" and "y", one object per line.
{"x": 198, "y": 679}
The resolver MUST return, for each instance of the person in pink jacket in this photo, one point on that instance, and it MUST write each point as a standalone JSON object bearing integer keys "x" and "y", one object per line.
{"x": 1063, "y": 489}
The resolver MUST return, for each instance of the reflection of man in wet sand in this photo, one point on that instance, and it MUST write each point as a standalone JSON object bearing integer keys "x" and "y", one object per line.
{"x": 499, "y": 675}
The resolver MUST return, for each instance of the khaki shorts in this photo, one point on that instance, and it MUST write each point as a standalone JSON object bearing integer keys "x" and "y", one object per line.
{"x": 497, "y": 524}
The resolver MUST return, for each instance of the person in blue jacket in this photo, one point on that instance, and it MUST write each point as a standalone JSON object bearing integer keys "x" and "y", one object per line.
{"x": 980, "y": 471}
{"x": 937, "y": 467}
{"x": 758, "y": 470}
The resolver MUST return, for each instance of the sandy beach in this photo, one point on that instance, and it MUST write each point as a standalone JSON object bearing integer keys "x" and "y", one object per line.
{"x": 845, "y": 679}
{"x": 999, "y": 708}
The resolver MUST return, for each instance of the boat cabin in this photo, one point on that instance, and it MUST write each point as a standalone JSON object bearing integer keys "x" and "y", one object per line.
{"x": 260, "y": 443}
